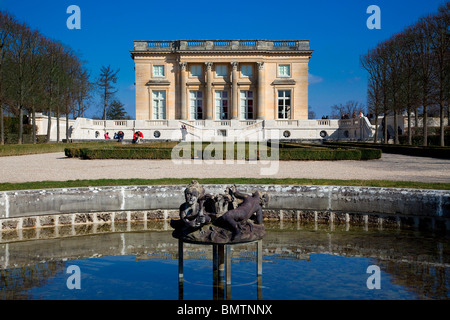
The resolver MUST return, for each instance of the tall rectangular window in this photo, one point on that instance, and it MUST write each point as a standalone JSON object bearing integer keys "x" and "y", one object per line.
{"x": 159, "y": 105}
{"x": 246, "y": 70}
{"x": 196, "y": 70}
{"x": 284, "y": 70}
{"x": 221, "y": 70}
{"x": 221, "y": 105}
{"x": 247, "y": 105}
{"x": 158, "y": 71}
{"x": 284, "y": 104}
{"x": 196, "y": 105}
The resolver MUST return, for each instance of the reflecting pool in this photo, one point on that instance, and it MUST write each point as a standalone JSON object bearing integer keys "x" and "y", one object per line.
{"x": 300, "y": 262}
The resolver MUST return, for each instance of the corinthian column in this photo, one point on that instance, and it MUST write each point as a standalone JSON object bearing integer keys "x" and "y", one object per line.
{"x": 183, "y": 90}
{"x": 208, "y": 105}
{"x": 260, "y": 112}
{"x": 234, "y": 91}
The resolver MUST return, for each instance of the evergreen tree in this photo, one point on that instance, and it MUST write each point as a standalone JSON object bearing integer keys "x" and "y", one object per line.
{"x": 116, "y": 111}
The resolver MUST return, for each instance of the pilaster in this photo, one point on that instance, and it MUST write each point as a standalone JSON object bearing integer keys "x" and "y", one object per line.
{"x": 183, "y": 112}
{"x": 208, "y": 105}
{"x": 234, "y": 91}
{"x": 260, "y": 112}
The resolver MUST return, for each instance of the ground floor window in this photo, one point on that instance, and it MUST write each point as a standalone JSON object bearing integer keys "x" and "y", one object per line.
{"x": 159, "y": 105}
{"x": 196, "y": 105}
{"x": 284, "y": 104}
{"x": 247, "y": 105}
{"x": 221, "y": 98}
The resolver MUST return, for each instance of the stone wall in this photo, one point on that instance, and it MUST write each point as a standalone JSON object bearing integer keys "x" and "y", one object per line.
{"x": 331, "y": 204}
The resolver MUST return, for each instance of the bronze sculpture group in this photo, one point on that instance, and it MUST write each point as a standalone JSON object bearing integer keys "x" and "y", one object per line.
{"x": 230, "y": 217}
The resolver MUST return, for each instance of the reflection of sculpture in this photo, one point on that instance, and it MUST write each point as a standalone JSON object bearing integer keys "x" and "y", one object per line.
{"x": 221, "y": 218}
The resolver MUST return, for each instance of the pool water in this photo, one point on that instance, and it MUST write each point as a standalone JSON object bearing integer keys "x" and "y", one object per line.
{"x": 300, "y": 262}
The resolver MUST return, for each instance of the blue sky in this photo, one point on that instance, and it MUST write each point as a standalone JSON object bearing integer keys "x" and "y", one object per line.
{"x": 336, "y": 29}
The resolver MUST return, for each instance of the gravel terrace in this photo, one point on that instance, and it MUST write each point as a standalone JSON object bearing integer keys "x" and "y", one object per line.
{"x": 55, "y": 166}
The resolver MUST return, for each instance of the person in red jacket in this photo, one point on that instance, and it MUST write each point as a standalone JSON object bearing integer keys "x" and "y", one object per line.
{"x": 137, "y": 137}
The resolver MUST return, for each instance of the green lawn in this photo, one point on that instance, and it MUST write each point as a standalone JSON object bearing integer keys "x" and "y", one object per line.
{"x": 23, "y": 149}
{"x": 227, "y": 181}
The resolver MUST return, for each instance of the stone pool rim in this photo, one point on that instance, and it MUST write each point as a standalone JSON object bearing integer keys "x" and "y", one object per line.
{"x": 22, "y": 209}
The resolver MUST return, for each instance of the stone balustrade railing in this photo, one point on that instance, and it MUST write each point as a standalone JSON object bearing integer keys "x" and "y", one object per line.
{"x": 220, "y": 45}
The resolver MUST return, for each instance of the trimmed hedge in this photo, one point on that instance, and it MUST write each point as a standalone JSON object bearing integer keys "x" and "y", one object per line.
{"x": 366, "y": 153}
{"x": 127, "y": 153}
{"x": 434, "y": 140}
{"x": 118, "y": 153}
{"x": 292, "y": 153}
{"x": 74, "y": 152}
{"x": 319, "y": 154}
{"x": 434, "y": 152}
{"x": 370, "y": 154}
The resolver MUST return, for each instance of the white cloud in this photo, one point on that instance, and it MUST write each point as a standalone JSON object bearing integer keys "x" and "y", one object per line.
{"x": 312, "y": 79}
{"x": 354, "y": 79}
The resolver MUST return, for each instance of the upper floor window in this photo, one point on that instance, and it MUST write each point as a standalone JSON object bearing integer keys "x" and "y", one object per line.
{"x": 158, "y": 71}
{"x": 221, "y": 70}
{"x": 284, "y": 70}
{"x": 246, "y": 70}
{"x": 196, "y": 70}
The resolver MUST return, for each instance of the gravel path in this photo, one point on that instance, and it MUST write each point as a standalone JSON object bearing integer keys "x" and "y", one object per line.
{"x": 55, "y": 166}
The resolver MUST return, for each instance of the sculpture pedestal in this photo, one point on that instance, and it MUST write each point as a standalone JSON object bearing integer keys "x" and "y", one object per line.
{"x": 221, "y": 268}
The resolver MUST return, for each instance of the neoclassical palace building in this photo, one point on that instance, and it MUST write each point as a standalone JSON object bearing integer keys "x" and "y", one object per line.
{"x": 221, "y": 79}
{"x": 206, "y": 90}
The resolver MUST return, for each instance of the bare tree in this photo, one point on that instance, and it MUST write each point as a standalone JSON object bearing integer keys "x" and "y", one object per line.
{"x": 51, "y": 74}
{"x": 440, "y": 45}
{"x": 373, "y": 102}
{"x": 376, "y": 63}
{"x": 376, "y": 91}
{"x": 34, "y": 72}
{"x": 82, "y": 92}
{"x": 393, "y": 57}
{"x": 23, "y": 68}
{"x": 6, "y": 27}
{"x": 411, "y": 70}
{"x": 423, "y": 49}
{"x": 349, "y": 109}
{"x": 409, "y": 85}
{"x": 105, "y": 83}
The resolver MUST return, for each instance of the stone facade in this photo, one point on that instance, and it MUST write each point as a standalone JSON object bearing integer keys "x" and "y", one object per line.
{"x": 221, "y": 79}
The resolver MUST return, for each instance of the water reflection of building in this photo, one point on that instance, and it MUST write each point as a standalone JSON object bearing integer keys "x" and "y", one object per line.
{"x": 422, "y": 265}
{"x": 15, "y": 281}
{"x": 428, "y": 280}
